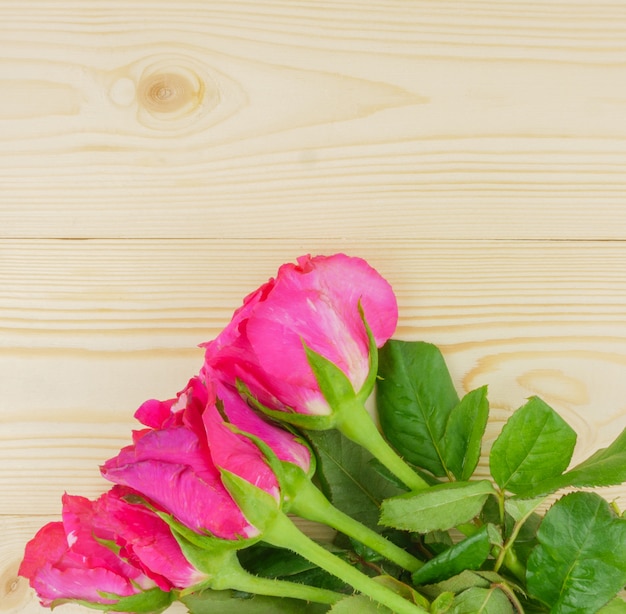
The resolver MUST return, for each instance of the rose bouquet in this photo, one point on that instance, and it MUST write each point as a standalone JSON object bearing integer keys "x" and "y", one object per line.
{"x": 274, "y": 426}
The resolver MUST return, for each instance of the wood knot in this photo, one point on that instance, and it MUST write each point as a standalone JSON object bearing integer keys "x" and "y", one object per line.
{"x": 13, "y": 589}
{"x": 174, "y": 93}
{"x": 170, "y": 93}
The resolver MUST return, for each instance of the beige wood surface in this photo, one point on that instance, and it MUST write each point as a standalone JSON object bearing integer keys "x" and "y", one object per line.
{"x": 159, "y": 160}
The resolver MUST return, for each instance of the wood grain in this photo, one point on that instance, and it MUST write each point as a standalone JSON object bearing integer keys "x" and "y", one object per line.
{"x": 292, "y": 119}
{"x": 159, "y": 160}
{"x": 92, "y": 328}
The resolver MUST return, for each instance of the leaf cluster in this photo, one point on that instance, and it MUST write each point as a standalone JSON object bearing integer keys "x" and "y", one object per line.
{"x": 573, "y": 559}
{"x": 487, "y": 543}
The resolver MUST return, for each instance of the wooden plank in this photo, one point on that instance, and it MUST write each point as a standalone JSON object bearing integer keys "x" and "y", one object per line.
{"x": 197, "y": 145}
{"x": 292, "y": 119}
{"x": 90, "y": 329}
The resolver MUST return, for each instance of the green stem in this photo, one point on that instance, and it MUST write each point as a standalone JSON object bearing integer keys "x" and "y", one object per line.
{"x": 501, "y": 498}
{"x": 284, "y": 534}
{"x": 507, "y": 556}
{"x": 311, "y": 504}
{"x": 513, "y": 564}
{"x": 249, "y": 583}
{"x": 353, "y": 420}
{"x": 512, "y": 597}
{"x": 219, "y": 561}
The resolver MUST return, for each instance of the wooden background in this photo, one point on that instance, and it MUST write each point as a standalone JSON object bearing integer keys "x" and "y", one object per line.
{"x": 159, "y": 160}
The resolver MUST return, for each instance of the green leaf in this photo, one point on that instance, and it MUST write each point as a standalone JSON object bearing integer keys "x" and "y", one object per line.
{"x": 415, "y": 396}
{"x": 464, "y": 433}
{"x": 522, "y": 508}
{"x": 470, "y": 553}
{"x": 461, "y": 582}
{"x": 360, "y": 604}
{"x": 606, "y": 467}
{"x": 438, "y": 508}
{"x": 404, "y": 590}
{"x": 271, "y": 562}
{"x": 437, "y": 541}
{"x": 442, "y": 604}
{"x": 536, "y": 444}
{"x": 482, "y": 601}
{"x": 615, "y": 606}
{"x": 348, "y": 478}
{"x": 320, "y": 578}
{"x": 227, "y": 602}
{"x": 580, "y": 562}
{"x": 380, "y": 468}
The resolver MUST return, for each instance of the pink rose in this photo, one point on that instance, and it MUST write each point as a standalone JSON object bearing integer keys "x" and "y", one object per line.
{"x": 176, "y": 462}
{"x": 231, "y": 451}
{"x": 100, "y": 553}
{"x": 315, "y": 301}
{"x": 146, "y": 541}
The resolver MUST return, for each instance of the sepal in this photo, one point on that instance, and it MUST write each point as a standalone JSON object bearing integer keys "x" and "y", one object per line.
{"x": 288, "y": 416}
{"x": 368, "y": 385}
{"x": 334, "y": 384}
{"x": 290, "y": 477}
{"x": 152, "y": 601}
{"x": 207, "y": 553}
{"x": 259, "y": 507}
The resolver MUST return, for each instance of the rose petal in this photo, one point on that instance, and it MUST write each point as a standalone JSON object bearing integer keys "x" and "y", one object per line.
{"x": 147, "y": 540}
{"x": 283, "y": 443}
{"x": 238, "y": 454}
{"x": 80, "y": 583}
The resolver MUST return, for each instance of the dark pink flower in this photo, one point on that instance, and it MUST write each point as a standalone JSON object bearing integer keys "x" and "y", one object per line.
{"x": 100, "y": 553}
{"x": 283, "y": 443}
{"x": 146, "y": 541}
{"x": 176, "y": 462}
{"x": 315, "y": 301}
